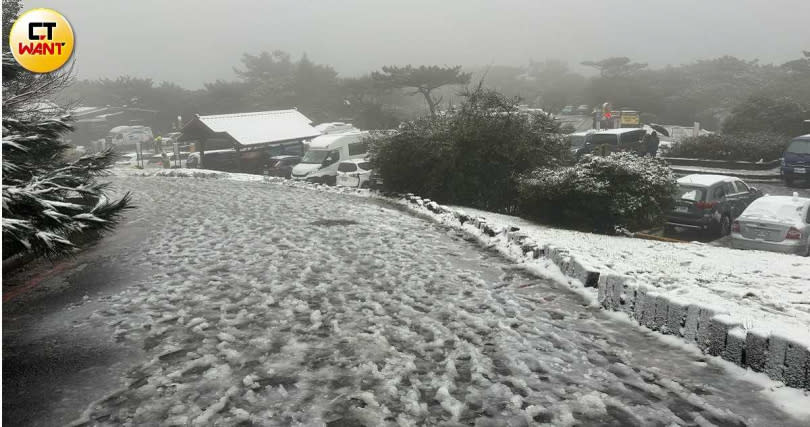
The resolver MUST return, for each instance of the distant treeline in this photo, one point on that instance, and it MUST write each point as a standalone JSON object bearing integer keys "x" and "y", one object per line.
{"x": 706, "y": 91}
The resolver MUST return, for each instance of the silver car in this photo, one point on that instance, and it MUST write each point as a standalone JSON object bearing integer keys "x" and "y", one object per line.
{"x": 774, "y": 223}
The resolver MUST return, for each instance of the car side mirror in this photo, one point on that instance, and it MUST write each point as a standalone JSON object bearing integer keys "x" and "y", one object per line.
{"x": 752, "y": 189}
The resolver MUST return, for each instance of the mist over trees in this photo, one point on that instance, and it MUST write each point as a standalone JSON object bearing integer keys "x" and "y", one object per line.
{"x": 422, "y": 80}
{"x": 707, "y": 91}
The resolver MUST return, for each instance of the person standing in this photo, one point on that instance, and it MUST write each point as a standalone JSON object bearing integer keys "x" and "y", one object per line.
{"x": 652, "y": 146}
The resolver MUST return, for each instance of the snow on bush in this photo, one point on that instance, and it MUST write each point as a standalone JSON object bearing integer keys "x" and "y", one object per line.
{"x": 749, "y": 147}
{"x": 47, "y": 201}
{"x": 600, "y": 193}
{"x": 470, "y": 156}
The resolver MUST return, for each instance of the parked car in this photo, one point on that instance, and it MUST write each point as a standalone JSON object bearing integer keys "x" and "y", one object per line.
{"x": 354, "y": 173}
{"x": 567, "y": 110}
{"x": 709, "y": 203}
{"x": 774, "y": 223}
{"x": 796, "y": 160}
{"x": 230, "y": 160}
{"x": 607, "y": 141}
{"x": 320, "y": 162}
{"x": 584, "y": 109}
{"x": 282, "y": 165}
{"x": 129, "y": 135}
{"x": 577, "y": 141}
{"x": 127, "y": 159}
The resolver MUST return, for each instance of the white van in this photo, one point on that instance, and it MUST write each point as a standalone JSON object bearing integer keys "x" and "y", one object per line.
{"x": 130, "y": 135}
{"x": 320, "y": 163}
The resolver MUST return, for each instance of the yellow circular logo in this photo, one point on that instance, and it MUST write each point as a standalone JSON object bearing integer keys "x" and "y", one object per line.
{"x": 41, "y": 40}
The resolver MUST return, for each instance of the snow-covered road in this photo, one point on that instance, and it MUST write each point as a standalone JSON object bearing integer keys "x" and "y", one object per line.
{"x": 264, "y": 304}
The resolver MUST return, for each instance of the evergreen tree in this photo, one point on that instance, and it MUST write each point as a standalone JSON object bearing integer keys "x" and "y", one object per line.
{"x": 424, "y": 80}
{"x": 47, "y": 201}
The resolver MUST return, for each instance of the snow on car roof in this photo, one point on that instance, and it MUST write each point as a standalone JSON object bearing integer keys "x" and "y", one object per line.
{"x": 616, "y": 131}
{"x": 355, "y": 161}
{"x": 334, "y": 127}
{"x": 704, "y": 180}
{"x": 777, "y": 208}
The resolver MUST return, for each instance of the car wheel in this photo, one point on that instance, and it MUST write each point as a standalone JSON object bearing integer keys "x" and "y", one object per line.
{"x": 669, "y": 230}
{"x": 725, "y": 226}
{"x": 330, "y": 180}
{"x": 788, "y": 181}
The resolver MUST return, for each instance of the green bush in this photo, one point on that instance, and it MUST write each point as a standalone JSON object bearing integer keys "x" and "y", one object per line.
{"x": 749, "y": 147}
{"x": 471, "y": 156}
{"x": 600, "y": 193}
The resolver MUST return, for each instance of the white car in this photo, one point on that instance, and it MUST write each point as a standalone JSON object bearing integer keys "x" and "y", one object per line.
{"x": 353, "y": 173}
{"x": 127, "y": 159}
{"x": 774, "y": 223}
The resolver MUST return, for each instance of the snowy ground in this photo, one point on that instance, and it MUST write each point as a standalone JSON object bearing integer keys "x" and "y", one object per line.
{"x": 270, "y": 304}
{"x": 769, "y": 290}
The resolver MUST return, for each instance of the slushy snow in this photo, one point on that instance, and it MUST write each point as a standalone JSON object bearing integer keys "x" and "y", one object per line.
{"x": 255, "y": 306}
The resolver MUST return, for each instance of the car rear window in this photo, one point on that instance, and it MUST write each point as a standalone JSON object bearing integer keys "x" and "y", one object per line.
{"x": 775, "y": 209}
{"x": 692, "y": 194}
{"x": 366, "y": 166}
{"x": 347, "y": 167}
{"x": 800, "y": 146}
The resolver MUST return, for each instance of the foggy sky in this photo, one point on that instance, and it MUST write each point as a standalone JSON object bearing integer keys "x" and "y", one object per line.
{"x": 190, "y": 42}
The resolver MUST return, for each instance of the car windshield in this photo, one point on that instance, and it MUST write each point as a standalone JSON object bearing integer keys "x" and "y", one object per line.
{"x": 347, "y": 167}
{"x": 799, "y": 146}
{"x": 605, "y": 138}
{"x": 689, "y": 193}
{"x": 315, "y": 156}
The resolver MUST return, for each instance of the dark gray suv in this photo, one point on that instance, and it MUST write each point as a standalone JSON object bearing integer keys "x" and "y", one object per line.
{"x": 709, "y": 204}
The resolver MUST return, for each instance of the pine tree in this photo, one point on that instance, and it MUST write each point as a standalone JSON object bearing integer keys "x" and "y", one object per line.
{"x": 48, "y": 202}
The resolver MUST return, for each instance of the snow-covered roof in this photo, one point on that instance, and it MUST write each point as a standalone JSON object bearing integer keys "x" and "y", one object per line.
{"x": 261, "y": 127}
{"x": 784, "y": 209}
{"x": 325, "y": 141}
{"x": 703, "y": 180}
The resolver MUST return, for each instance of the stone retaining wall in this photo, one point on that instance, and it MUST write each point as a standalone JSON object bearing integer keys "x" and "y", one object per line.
{"x": 715, "y": 333}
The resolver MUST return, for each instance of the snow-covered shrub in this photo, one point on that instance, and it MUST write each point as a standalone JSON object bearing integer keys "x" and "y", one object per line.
{"x": 48, "y": 202}
{"x": 472, "y": 155}
{"x": 600, "y": 193}
{"x": 749, "y": 147}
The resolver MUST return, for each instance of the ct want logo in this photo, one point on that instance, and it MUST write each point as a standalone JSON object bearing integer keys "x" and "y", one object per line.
{"x": 41, "y": 40}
